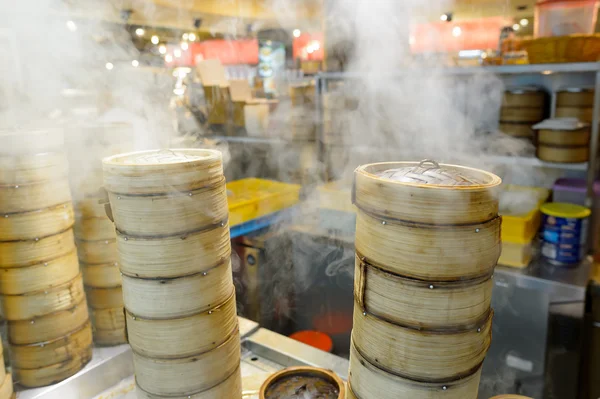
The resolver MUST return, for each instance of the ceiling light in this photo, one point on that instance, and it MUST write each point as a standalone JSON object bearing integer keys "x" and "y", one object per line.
{"x": 185, "y": 36}
{"x": 71, "y": 26}
{"x": 192, "y": 37}
{"x": 169, "y": 58}
{"x": 109, "y": 66}
{"x": 177, "y": 53}
{"x": 297, "y": 32}
{"x": 154, "y": 39}
{"x": 162, "y": 49}
{"x": 140, "y": 32}
{"x": 524, "y": 22}
{"x": 516, "y": 27}
{"x": 444, "y": 17}
{"x": 184, "y": 46}
{"x": 456, "y": 31}
{"x": 135, "y": 63}
{"x": 412, "y": 40}
{"x": 310, "y": 50}
{"x": 316, "y": 45}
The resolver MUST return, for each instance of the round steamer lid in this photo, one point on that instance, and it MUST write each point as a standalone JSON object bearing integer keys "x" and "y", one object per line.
{"x": 431, "y": 173}
{"x": 161, "y": 157}
{"x": 22, "y": 140}
{"x": 565, "y": 210}
{"x": 302, "y": 383}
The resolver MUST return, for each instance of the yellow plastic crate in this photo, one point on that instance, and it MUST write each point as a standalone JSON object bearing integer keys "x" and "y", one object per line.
{"x": 516, "y": 255}
{"x": 521, "y": 229}
{"x": 336, "y": 196}
{"x": 253, "y": 198}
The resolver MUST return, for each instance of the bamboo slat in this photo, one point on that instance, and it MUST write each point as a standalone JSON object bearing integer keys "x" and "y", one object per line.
{"x": 421, "y": 304}
{"x": 38, "y": 223}
{"x": 580, "y": 98}
{"x": 108, "y": 319}
{"x": 6, "y": 389}
{"x": 104, "y": 298}
{"x": 188, "y": 375}
{"x": 110, "y": 337}
{"x": 174, "y": 338}
{"x": 31, "y": 140}
{"x": 94, "y": 229}
{"x": 422, "y": 355}
{"x": 174, "y": 256}
{"x": 44, "y": 354}
{"x": 33, "y": 196}
{"x": 150, "y": 172}
{"x": 523, "y": 99}
{"x": 35, "y": 304}
{"x": 580, "y": 137}
{"x": 427, "y": 203}
{"x": 511, "y": 397}
{"x": 177, "y": 297}
{"x": 98, "y": 252}
{"x": 90, "y": 208}
{"x": 39, "y": 250}
{"x": 366, "y": 381}
{"x": 101, "y": 276}
{"x": 522, "y": 130}
{"x": 24, "y": 169}
{"x": 518, "y": 114}
{"x": 176, "y": 213}
{"x": 429, "y": 252}
{"x": 48, "y": 327}
{"x": 583, "y": 114}
{"x": 562, "y": 154}
{"x": 231, "y": 388}
{"x": 42, "y": 276}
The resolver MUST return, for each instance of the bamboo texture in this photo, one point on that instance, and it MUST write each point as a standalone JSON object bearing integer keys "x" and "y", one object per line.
{"x": 108, "y": 319}
{"x": 581, "y": 99}
{"x": 531, "y": 115}
{"x": 37, "y": 223}
{"x": 174, "y": 338}
{"x": 90, "y": 208}
{"x": 583, "y": 114}
{"x": 101, "y": 276}
{"x": 110, "y": 337}
{"x": 25, "y": 169}
{"x": 562, "y": 154}
{"x": 98, "y": 252}
{"x": 94, "y": 229}
{"x": 580, "y": 137}
{"x": 6, "y": 389}
{"x": 105, "y": 298}
{"x": 521, "y": 130}
{"x": 31, "y": 252}
{"x": 177, "y": 297}
{"x": 29, "y": 141}
{"x": 523, "y": 99}
{"x": 34, "y": 196}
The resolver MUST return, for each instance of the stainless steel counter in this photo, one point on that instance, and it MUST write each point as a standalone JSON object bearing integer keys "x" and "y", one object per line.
{"x": 110, "y": 373}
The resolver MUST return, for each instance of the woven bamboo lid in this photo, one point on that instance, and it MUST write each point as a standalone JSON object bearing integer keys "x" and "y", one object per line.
{"x": 429, "y": 172}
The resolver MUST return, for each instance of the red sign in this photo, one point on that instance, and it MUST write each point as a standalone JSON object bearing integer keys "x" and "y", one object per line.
{"x": 229, "y": 52}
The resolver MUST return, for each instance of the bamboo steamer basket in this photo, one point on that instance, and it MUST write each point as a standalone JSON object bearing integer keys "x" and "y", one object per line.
{"x": 231, "y": 388}
{"x": 578, "y": 97}
{"x": 511, "y": 397}
{"x": 108, "y": 319}
{"x": 31, "y": 140}
{"x": 33, "y": 196}
{"x": 179, "y": 296}
{"x": 520, "y": 130}
{"x": 295, "y": 375}
{"x": 104, "y": 298}
{"x": 578, "y": 137}
{"x": 366, "y": 381}
{"x": 181, "y": 337}
{"x": 429, "y": 252}
{"x": 188, "y": 375}
{"x": 421, "y": 304}
{"x": 6, "y": 389}
{"x": 39, "y": 377}
{"x": 48, "y": 327}
{"x": 35, "y": 224}
{"x": 176, "y": 213}
{"x": 174, "y": 256}
{"x": 2, "y": 368}
{"x": 38, "y": 250}
{"x": 423, "y": 355}
{"x": 471, "y": 199}
{"x": 88, "y": 208}
{"x": 583, "y": 114}
{"x": 162, "y": 171}
{"x": 47, "y": 353}
{"x": 94, "y": 229}
{"x": 21, "y": 280}
{"x": 523, "y": 97}
{"x": 39, "y": 303}
{"x": 110, "y": 337}
{"x": 105, "y": 275}
{"x": 531, "y": 115}
{"x": 24, "y": 169}
{"x": 98, "y": 252}
{"x": 562, "y": 154}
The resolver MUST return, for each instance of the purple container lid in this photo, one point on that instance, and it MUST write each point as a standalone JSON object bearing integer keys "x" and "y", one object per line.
{"x": 574, "y": 185}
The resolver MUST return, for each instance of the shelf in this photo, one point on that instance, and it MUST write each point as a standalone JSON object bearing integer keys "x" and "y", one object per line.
{"x": 535, "y": 162}
{"x": 257, "y": 140}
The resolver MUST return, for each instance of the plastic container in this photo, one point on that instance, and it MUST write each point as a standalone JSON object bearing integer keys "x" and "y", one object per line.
{"x": 522, "y": 228}
{"x": 316, "y": 339}
{"x": 564, "y": 232}
{"x": 573, "y": 191}
{"x": 565, "y": 17}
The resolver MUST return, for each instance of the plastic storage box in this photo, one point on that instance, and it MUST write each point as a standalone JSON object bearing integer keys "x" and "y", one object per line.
{"x": 572, "y": 191}
{"x": 565, "y": 17}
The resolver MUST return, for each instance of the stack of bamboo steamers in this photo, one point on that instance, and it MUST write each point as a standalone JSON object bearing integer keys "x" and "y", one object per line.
{"x": 43, "y": 300}
{"x": 170, "y": 213}
{"x": 427, "y": 242}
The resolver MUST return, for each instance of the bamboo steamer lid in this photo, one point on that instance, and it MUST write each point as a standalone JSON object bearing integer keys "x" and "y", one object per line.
{"x": 97, "y": 252}
{"x": 38, "y": 250}
{"x": 174, "y": 256}
{"x": 292, "y": 381}
{"x": 526, "y": 97}
{"x": 39, "y": 303}
{"x": 176, "y": 213}
{"x": 369, "y": 381}
{"x": 110, "y": 337}
{"x": 94, "y": 229}
{"x": 108, "y": 319}
{"x": 562, "y": 154}
{"x": 583, "y": 114}
{"x": 578, "y": 137}
{"x": 39, "y": 377}
{"x": 23, "y": 140}
{"x": 24, "y": 169}
{"x": 41, "y": 276}
{"x": 43, "y": 354}
{"x": 531, "y": 115}
{"x": 520, "y": 130}
{"x": 178, "y": 296}
{"x": 181, "y": 337}
{"x": 427, "y": 193}
{"x": 34, "y": 196}
{"x": 416, "y": 303}
{"x": 188, "y": 375}
{"x": 105, "y": 275}
{"x": 105, "y": 298}
{"x": 38, "y": 223}
{"x": 48, "y": 327}
{"x": 6, "y": 389}
{"x": 580, "y": 97}
{"x": 231, "y": 388}
{"x": 162, "y": 171}
{"x": 423, "y": 355}
{"x": 428, "y": 252}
